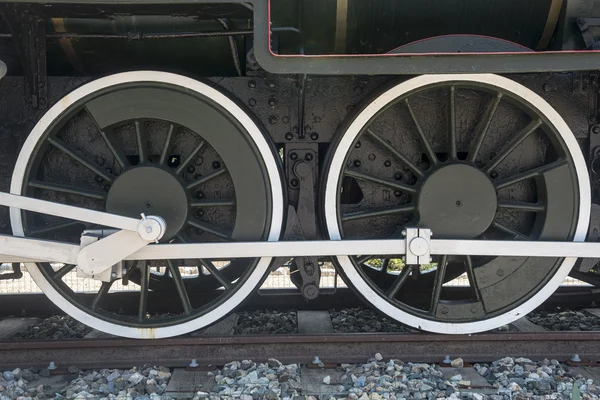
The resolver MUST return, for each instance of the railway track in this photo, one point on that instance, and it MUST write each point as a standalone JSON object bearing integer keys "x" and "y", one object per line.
{"x": 330, "y": 348}
{"x": 215, "y": 348}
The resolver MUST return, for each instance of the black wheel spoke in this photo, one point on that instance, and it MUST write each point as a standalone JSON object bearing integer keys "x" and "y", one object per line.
{"x": 214, "y": 271}
{"x": 483, "y": 128}
{"x": 65, "y": 148}
{"x": 532, "y": 173}
{"x": 167, "y": 145}
{"x": 515, "y": 141}
{"x": 416, "y": 170}
{"x": 212, "y": 203}
{"x": 522, "y": 206}
{"x": 384, "y": 265}
{"x": 44, "y": 230}
{"x": 501, "y": 227}
{"x": 363, "y": 259}
{"x": 144, "y": 291}
{"x": 471, "y": 276}
{"x": 433, "y": 160}
{"x": 384, "y": 182}
{"x": 398, "y": 282}
{"x": 142, "y": 142}
{"x": 180, "y": 286}
{"x": 58, "y": 275}
{"x": 438, "y": 284}
{"x": 209, "y": 229}
{"x": 56, "y": 187}
{"x": 119, "y": 157}
{"x": 452, "y": 123}
{"x": 379, "y": 213}
{"x": 101, "y": 295}
{"x": 111, "y": 146}
{"x": 206, "y": 178}
{"x": 190, "y": 157}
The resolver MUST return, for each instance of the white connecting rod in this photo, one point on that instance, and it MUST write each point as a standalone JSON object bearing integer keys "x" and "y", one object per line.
{"x": 71, "y": 212}
{"x": 14, "y": 249}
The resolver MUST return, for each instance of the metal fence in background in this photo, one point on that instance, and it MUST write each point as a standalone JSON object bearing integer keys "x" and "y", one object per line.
{"x": 278, "y": 279}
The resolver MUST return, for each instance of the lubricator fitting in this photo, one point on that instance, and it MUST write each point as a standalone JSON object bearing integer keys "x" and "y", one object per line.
{"x": 152, "y": 228}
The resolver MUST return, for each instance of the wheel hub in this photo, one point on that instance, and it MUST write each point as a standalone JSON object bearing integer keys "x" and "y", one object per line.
{"x": 457, "y": 201}
{"x": 149, "y": 190}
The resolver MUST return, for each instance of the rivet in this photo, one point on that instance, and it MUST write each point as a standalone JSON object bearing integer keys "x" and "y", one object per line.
{"x": 314, "y": 136}
{"x": 252, "y": 102}
{"x": 500, "y": 272}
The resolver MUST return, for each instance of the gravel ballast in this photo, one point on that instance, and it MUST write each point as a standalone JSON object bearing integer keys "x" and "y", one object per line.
{"x": 565, "y": 320}
{"x": 377, "y": 379}
{"x": 266, "y": 322}
{"x": 355, "y": 320}
{"x": 55, "y": 328}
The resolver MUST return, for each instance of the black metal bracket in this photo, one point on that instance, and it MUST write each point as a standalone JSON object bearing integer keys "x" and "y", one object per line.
{"x": 16, "y": 274}
{"x": 28, "y": 31}
{"x": 586, "y": 26}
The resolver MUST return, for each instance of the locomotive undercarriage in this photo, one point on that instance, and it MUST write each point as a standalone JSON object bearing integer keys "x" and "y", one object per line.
{"x": 404, "y": 183}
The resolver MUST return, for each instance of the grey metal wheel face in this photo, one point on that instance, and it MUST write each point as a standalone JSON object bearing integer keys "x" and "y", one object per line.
{"x": 467, "y": 156}
{"x": 160, "y": 144}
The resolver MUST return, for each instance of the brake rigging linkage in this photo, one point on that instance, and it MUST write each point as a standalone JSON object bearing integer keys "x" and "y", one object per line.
{"x": 130, "y": 243}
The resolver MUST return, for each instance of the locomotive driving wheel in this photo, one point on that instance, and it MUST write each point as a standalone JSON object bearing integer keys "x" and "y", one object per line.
{"x": 469, "y": 157}
{"x": 160, "y": 144}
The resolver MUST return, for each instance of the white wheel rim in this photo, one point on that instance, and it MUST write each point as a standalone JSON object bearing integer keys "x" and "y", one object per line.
{"x": 355, "y": 128}
{"x": 190, "y": 84}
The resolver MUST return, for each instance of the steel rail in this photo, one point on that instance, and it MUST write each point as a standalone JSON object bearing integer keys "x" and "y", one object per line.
{"x": 336, "y": 348}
